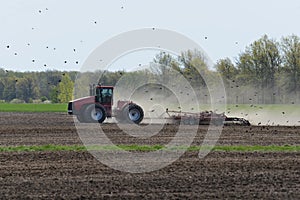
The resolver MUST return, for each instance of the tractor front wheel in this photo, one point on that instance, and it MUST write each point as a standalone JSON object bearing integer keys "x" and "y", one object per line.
{"x": 94, "y": 114}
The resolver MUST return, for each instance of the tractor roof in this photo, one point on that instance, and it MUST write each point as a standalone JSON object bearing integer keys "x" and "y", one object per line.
{"x": 105, "y": 86}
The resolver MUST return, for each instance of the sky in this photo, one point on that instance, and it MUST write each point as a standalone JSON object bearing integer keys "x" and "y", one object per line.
{"x": 38, "y": 35}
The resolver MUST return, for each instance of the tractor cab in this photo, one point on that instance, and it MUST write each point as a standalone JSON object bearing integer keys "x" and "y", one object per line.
{"x": 104, "y": 95}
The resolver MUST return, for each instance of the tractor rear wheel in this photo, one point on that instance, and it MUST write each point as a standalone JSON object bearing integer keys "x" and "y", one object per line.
{"x": 133, "y": 113}
{"x": 94, "y": 114}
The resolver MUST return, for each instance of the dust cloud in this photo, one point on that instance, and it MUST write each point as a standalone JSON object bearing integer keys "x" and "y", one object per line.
{"x": 269, "y": 116}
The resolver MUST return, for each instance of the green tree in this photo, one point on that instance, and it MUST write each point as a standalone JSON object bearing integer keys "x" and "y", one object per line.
{"x": 1, "y": 89}
{"x": 167, "y": 60}
{"x": 259, "y": 64}
{"x": 65, "y": 89}
{"x": 228, "y": 72}
{"x": 26, "y": 88}
{"x": 227, "y": 69}
{"x": 195, "y": 67}
{"x": 164, "y": 68}
{"x": 9, "y": 92}
{"x": 54, "y": 94}
{"x": 291, "y": 61}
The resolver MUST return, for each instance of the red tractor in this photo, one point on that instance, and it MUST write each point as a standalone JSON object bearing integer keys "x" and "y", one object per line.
{"x": 98, "y": 106}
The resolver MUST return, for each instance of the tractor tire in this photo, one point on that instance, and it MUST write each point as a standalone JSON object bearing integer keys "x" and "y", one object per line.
{"x": 94, "y": 114}
{"x": 133, "y": 113}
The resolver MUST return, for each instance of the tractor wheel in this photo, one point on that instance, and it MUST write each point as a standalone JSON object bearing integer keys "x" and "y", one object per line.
{"x": 133, "y": 113}
{"x": 94, "y": 114}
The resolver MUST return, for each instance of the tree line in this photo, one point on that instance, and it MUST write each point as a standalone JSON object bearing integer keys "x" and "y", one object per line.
{"x": 28, "y": 87}
{"x": 266, "y": 72}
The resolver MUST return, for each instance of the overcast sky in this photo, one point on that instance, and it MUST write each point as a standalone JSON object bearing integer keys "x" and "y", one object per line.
{"x": 43, "y": 34}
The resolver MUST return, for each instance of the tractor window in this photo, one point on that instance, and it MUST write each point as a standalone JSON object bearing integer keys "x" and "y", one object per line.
{"x": 106, "y": 95}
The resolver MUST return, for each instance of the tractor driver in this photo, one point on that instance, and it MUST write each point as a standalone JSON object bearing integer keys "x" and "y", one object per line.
{"x": 106, "y": 95}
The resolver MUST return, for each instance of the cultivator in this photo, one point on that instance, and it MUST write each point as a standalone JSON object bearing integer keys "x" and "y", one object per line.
{"x": 204, "y": 118}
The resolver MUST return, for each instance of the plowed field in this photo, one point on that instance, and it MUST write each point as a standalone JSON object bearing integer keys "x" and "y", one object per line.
{"x": 77, "y": 174}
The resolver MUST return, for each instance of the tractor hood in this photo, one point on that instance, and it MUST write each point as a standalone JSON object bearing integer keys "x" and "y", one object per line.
{"x": 89, "y": 99}
{"x": 75, "y": 105}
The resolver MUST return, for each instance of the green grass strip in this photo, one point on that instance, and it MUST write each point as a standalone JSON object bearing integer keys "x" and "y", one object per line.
{"x": 272, "y": 148}
{"x": 50, "y": 147}
{"x": 62, "y": 107}
{"x": 27, "y": 107}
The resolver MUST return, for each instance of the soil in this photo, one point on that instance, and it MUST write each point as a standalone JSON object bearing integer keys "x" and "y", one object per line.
{"x": 71, "y": 175}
